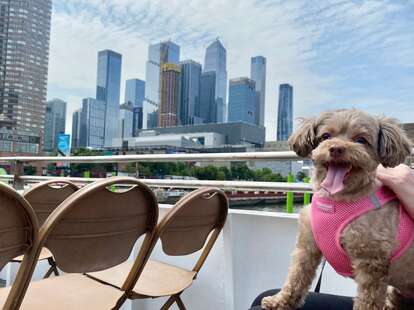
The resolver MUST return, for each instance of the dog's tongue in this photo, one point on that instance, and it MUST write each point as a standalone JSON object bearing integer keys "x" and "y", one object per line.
{"x": 334, "y": 180}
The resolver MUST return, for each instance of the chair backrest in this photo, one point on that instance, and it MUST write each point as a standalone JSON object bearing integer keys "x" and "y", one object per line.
{"x": 18, "y": 234}
{"x": 46, "y": 196}
{"x": 18, "y": 225}
{"x": 184, "y": 230}
{"x": 96, "y": 228}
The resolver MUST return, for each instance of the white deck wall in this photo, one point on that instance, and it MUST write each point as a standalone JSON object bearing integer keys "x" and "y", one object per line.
{"x": 251, "y": 256}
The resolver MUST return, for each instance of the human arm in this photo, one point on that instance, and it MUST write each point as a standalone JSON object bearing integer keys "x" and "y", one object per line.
{"x": 401, "y": 180}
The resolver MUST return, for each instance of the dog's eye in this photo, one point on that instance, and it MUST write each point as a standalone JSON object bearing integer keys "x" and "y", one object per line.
{"x": 361, "y": 140}
{"x": 326, "y": 136}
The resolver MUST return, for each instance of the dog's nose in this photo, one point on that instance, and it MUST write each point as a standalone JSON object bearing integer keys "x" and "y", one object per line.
{"x": 336, "y": 151}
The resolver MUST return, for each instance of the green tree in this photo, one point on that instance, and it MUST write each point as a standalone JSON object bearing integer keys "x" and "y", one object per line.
{"x": 97, "y": 170}
{"x": 300, "y": 176}
{"x": 240, "y": 171}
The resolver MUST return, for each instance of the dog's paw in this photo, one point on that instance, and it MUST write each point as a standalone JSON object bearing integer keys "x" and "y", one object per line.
{"x": 276, "y": 302}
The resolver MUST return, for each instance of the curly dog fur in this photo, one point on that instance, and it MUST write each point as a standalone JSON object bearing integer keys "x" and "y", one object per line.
{"x": 369, "y": 240}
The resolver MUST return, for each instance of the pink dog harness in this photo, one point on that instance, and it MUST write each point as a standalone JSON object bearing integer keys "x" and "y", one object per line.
{"x": 329, "y": 218}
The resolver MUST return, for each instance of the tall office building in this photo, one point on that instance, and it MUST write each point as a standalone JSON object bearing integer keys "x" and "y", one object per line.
{"x": 242, "y": 100}
{"x": 108, "y": 90}
{"x": 158, "y": 54}
{"x": 55, "y": 123}
{"x": 190, "y": 92}
{"x": 216, "y": 60}
{"x": 92, "y": 128}
{"x": 76, "y": 123}
{"x": 170, "y": 96}
{"x": 135, "y": 95}
{"x": 285, "y": 112}
{"x": 206, "y": 109}
{"x": 126, "y": 120}
{"x": 258, "y": 74}
{"x": 24, "y": 58}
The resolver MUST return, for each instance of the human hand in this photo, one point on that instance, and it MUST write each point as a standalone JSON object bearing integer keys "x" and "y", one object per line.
{"x": 401, "y": 180}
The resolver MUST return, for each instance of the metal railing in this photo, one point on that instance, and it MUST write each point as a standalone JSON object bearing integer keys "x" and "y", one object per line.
{"x": 19, "y": 179}
{"x": 199, "y": 157}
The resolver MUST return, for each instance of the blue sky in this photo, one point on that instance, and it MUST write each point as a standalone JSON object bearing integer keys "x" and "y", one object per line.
{"x": 336, "y": 54}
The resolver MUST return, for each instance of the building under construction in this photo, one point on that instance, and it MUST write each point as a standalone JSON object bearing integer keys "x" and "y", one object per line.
{"x": 170, "y": 95}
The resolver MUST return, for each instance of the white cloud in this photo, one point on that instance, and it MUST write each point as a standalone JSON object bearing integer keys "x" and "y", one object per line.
{"x": 318, "y": 47}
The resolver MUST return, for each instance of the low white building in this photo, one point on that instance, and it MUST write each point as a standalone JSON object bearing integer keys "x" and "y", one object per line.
{"x": 197, "y": 139}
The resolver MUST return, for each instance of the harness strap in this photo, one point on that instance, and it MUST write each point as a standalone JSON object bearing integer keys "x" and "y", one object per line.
{"x": 318, "y": 285}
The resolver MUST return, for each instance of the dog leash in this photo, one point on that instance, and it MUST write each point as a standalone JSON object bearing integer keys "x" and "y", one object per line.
{"x": 318, "y": 285}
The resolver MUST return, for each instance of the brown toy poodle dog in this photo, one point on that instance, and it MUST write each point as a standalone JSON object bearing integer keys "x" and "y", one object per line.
{"x": 346, "y": 147}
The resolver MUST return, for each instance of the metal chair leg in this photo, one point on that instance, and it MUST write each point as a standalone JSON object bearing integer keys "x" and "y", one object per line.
{"x": 168, "y": 303}
{"x": 120, "y": 302}
{"x": 53, "y": 268}
{"x": 179, "y": 302}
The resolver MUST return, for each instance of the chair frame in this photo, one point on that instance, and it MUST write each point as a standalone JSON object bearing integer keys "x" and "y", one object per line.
{"x": 53, "y": 268}
{"x": 23, "y": 272}
{"x": 16, "y": 297}
{"x": 131, "y": 280}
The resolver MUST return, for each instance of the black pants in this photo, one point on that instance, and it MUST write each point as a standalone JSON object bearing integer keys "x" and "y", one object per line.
{"x": 314, "y": 301}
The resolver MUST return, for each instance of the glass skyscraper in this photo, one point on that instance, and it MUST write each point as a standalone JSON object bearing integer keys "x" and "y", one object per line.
{"x": 126, "y": 120}
{"x": 92, "y": 128}
{"x": 158, "y": 54}
{"x": 24, "y": 58}
{"x": 135, "y": 95}
{"x": 242, "y": 100}
{"x": 285, "y": 112}
{"x": 55, "y": 123}
{"x": 76, "y": 127}
{"x": 206, "y": 109}
{"x": 258, "y": 74}
{"x": 190, "y": 92}
{"x": 216, "y": 60}
{"x": 135, "y": 92}
{"x": 108, "y": 90}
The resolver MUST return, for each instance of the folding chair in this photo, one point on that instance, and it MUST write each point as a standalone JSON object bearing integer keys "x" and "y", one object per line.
{"x": 194, "y": 223}
{"x": 19, "y": 232}
{"x": 93, "y": 229}
{"x": 44, "y": 198}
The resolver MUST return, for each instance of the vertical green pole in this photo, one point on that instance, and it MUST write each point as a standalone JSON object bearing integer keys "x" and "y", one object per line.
{"x": 87, "y": 174}
{"x": 306, "y": 196}
{"x": 289, "y": 196}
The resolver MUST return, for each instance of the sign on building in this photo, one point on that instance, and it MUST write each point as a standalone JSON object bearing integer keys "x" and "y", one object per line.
{"x": 63, "y": 145}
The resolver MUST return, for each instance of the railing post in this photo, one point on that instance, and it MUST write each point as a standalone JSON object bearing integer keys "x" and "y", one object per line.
{"x": 113, "y": 186}
{"x": 137, "y": 170}
{"x": 18, "y": 183}
{"x": 289, "y": 196}
{"x": 306, "y": 196}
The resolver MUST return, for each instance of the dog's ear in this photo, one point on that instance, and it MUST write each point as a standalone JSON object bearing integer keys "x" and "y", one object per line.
{"x": 393, "y": 144}
{"x": 304, "y": 140}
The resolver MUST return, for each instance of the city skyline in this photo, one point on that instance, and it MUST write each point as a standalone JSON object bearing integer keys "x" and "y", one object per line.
{"x": 342, "y": 61}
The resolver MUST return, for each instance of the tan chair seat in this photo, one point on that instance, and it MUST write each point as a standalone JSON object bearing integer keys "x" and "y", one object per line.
{"x": 68, "y": 292}
{"x": 157, "y": 279}
{"x": 44, "y": 254}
